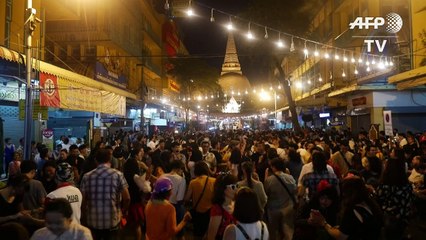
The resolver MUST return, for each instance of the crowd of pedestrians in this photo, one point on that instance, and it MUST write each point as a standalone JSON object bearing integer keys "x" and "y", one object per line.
{"x": 218, "y": 185}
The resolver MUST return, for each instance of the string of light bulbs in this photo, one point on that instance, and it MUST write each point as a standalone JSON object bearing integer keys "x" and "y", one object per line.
{"x": 321, "y": 49}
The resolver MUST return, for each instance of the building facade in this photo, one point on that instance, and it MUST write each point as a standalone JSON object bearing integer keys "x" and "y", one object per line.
{"x": 347, "y": 80}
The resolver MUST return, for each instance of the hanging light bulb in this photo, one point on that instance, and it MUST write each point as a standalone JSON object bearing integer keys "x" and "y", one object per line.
{"x": 279, "y": 86}
{"x": 326, "y": 55}
{"x": 167, "y": 5}
{"x": 368, "y": 69}
{"x": 356, "y": 71}
{"x": 373, "y": 62}
{"x": 189, "y": 12}
{"x": 246, "y": 92}
{"x": 230, "y": 27}
{"x": 386, "y": 62}
{"x": 316, "y": 53}
{"x": 391, "y": 62}
{"x": 280, "y": 44}
{"x": 299, "y": 85}
{"x": 239, "y": 93}
{"x": 232, "y": 92}
{"x": 336, "y": 56}
{"x": 352, "y": 58}
{"x": 249, "y": 34}
{"x": 309, "y": 82}
{"x": 292, "y": 45}
{"x": 266, "y": 33}
{"x": 212, "y": 15}
{"x": 360, "y": 60}
{"x": 320, "y": 78}
{"x": 254, "y": 90}
{"x": 343, "y": 73}
{"x": 305, "y": 51}
{"x": 345, "y": 59}
{"x": 381, "y": 64}
{"x": 270, "y": 88}
{"x": 211, "y": 96}
{"x": 331, "y": 75}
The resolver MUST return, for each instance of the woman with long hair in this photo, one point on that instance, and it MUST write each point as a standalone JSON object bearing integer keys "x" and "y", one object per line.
{"x": 223, "y": 206}
{"x": 255, "y": 185}
{"x": 248, "y": 216}
{"x": 395, "y": 195}
{"x": 325, "y": 201}
{"x": 360, "y": 216}
{"x": 131, "y": 167}
{"x": 200, "y": 192}
{"x": 320, "y": 172}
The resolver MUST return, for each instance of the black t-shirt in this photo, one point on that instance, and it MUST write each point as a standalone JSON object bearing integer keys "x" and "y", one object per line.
{"x": 130, "y": 168}
{"x": 367, "y": 229}
{"x": 7, "y": 209}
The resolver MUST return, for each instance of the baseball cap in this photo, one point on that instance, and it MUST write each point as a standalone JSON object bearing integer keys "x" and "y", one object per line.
{"x": 162, "y": 185}
{"x": 64, "y": 172}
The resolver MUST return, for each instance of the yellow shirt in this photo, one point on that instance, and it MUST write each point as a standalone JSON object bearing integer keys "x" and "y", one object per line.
{"x": 196, "y": 186}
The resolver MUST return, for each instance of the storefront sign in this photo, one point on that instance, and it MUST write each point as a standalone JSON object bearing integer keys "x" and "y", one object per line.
{"x": 38, "y": 111}
{"x": 359, "y": 101}
{"x": 48, "y": 138}
{"x": 387, "y": 119}
{"x": 12, "y": 93}
{"x": 63, "y": 93}
{"x": 174, "y": 86}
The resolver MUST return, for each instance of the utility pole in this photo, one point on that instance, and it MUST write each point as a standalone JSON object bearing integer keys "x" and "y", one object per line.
{"x": 29, "y": 28}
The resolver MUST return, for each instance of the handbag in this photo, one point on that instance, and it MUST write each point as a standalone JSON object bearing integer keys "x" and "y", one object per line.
{"x": 293, "y": 199}
{"x": 193, "y": 210}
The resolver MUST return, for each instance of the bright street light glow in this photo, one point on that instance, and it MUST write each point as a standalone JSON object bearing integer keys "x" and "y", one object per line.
{"x": 189, "y": 12}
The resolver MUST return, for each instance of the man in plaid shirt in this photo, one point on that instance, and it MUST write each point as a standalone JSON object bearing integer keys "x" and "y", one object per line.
{"x": 105, "y": 198}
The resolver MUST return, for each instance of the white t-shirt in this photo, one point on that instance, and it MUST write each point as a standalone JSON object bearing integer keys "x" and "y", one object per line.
{"x": 178, "y": 189}
{"x": 308, "y": 168}
{"x": 74, "y": 197}
{"x": 253, "y": 230}
{"x": 76, "y": 231}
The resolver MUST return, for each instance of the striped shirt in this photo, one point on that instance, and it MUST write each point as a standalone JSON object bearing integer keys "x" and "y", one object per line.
{"x": 101, "y": 189}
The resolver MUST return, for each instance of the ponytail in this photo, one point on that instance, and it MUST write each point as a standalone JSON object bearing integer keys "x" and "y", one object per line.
{"x": 248, "y": 169}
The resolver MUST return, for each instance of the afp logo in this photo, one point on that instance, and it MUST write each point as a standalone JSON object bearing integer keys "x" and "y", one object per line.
{"x": 392, "y": 23}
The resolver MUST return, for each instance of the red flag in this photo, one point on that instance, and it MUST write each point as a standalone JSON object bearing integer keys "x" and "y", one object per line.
{"x": 170, "y": 38}
{"x": 49, "y": 91}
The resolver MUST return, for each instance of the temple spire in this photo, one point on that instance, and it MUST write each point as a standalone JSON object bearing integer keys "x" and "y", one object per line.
{"x": 231, "y": 62}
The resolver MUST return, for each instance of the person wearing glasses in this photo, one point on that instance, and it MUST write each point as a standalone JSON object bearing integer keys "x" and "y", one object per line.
{"x": 223, "y": 205}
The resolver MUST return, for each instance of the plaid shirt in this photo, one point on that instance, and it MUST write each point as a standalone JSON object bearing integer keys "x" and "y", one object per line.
{"x": 312, "y": 179}
{"x": 101, "y": 190}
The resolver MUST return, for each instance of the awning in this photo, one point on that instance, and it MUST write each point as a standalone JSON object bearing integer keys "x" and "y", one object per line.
{"x": 45, "y": 67}
{"x": 409, "y": 79}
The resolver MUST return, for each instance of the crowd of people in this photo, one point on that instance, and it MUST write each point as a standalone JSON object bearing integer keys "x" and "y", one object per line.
{"x": 218, "y": 185}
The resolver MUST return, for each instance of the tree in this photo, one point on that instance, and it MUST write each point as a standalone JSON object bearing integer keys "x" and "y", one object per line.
{"x": 288, "y": 16}
{"x": 196, "y": 78}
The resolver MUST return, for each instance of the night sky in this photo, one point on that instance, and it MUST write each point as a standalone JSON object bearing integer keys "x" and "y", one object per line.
{"x": 206, "y": 39}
